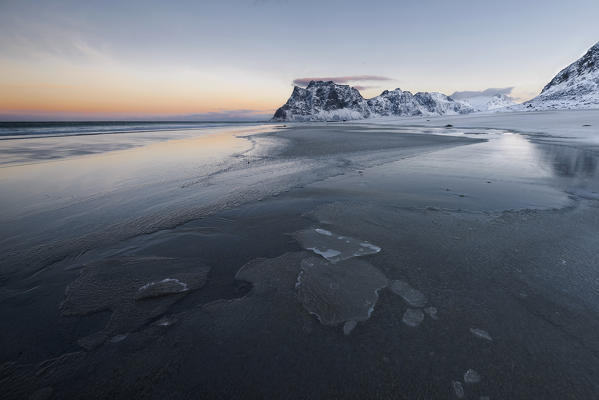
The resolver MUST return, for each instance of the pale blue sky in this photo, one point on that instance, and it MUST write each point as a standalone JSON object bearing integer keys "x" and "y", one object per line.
{"x": 146, "y": 57}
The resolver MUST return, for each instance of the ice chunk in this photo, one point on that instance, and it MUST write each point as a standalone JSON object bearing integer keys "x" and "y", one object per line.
{"x": 328, "y": 253}
{"x": 479, "y": 333}
{"x": 413, "y": 317}
{"x": 166, "y": 321}
{"x": 431, "y": 312}
{"x": 161, "y": 288}
{"x": 471, "y": 376}
{"x": 348, "y": 327}
{"x": 370, "y": 246}
{"x": 412, "y": 296}
{"x": 458, "y": 389}
{"x": 332, "y": 246}
{"x": 337, "y": 293}
{"x": 118, "y": 338}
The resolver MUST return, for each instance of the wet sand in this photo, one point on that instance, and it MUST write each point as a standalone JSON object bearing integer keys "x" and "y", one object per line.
{"x": 320, "y": 261}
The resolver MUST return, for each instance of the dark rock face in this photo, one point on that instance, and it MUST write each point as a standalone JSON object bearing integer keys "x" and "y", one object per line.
{"x": 322, "y": 101}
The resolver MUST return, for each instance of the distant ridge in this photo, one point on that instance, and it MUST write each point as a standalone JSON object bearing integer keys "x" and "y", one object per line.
{"x": 325, "y": 101}
{"x": 574, "y": 87}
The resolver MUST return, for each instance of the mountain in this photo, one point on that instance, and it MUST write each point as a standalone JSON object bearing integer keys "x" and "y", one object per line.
{"x": 481, "y": 101}
{"x": 325, "y": 101}
{"x": 574, "y": 87}
{"x": 403, "y": 103}
{"x": 322, "y": 101}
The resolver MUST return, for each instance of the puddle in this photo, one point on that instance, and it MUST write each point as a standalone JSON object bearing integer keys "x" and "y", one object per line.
{"x": 508, "y": 172}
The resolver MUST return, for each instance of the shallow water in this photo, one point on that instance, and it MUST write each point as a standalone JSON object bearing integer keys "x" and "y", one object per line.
{"x": 508, "y": 172}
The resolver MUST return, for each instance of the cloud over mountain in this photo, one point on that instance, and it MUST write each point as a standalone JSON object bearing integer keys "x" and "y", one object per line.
{"x": 487, "y": 93}
{"x": 342, "y": 80}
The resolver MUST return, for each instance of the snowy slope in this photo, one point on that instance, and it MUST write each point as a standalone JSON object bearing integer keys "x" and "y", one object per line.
{"x": 574, "y": 87}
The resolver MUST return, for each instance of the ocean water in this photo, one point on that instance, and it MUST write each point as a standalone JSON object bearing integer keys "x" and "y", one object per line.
{"x": 16, "y": 130}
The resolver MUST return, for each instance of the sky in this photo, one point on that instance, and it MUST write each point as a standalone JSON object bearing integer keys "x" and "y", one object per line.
{"x": 225, "y": 60}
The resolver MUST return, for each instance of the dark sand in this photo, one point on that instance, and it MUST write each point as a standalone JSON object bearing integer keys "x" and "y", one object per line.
{"x": 446, "y": 253}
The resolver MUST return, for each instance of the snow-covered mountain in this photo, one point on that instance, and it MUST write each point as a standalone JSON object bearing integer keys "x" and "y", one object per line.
{"x": 322, "y": 101}
{"x": 325, "y": 101}
{"x": 404, "y": 103}
{"x": 481, "y": 102}
{"x": 575, "y": 87}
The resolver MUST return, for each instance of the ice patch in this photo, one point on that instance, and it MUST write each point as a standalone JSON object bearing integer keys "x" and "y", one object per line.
{"x": 479, "y": 333}
{"x": 338, "y": 293}
{"x": 413, "y": 317}
{"x": 412, "y": 296}
{"x": 458, "y": 389}
{"x": 332, "y": 246}
{"x": 471, "y": 376}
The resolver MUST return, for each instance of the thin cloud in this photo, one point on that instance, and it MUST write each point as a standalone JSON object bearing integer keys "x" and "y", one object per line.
{"x": 341, "y": 79}
{"x": 227, "y": 115}
{"x": 361, "y": 87}
{"x": 487, "y": 92}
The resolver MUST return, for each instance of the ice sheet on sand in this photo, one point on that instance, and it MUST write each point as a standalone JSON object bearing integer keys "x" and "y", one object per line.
{"x": 332, "y": 246}
{"x": 120, "y": 285}
{"x": 336, "y": 293}
{"x": 412, "y": 296}
{"x": 161, "y": 288}
{"x": 413, "y": 317}
{"x": 471, "y": 376}
{"x": 479, "y": 333}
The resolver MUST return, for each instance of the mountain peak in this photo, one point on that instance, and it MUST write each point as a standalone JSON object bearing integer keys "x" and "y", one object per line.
{"x": 327, "y": 100}
{"x": 576, "y": 86}
{"x": 586, "y": 64}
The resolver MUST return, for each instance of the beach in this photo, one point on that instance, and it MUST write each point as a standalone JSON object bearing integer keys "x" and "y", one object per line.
{"x": 447, "y": 257}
